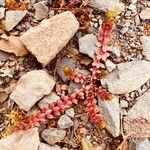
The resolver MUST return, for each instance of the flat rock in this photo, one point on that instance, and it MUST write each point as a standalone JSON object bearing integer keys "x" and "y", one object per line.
{"x": 2, "y": 12}
{"x": 65, "y": 122}
{"x": 52, "y": 97}
{"x": 137, "y": 122}
{"x": 22, "y": 140}
{"x": 31, "y": 87}
{"x": 145, "y": 44}
{"x": 87, "y": 44}
{"x": 127, "y": 77}
{"x": 70, "y": 112}
{"x": 13, "y": 45}
{"x": 145, "y": 14}
{"x": 104, "y": 4}
{"x": 53, "y": 135}
{"x": 41, "y": 11}
{"x": 44, "y": 146}
{"x": 2, "y": 2}
{"x": 47, "y": 39}
{"x": 13, "y": 17}
{"x": 111, "y": 112}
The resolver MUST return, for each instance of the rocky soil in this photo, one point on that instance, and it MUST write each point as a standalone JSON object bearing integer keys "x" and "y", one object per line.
{"x": 37, "y": 40}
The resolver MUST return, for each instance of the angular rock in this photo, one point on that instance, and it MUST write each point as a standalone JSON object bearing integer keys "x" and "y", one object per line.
{"x": 145, "y": 14}
{"x": 110, "y": 65}
{"x": 111, "y": 112}
{"x": 127, "y": 77}
{"x": 53, "y": 135}
{"x": 44, "y": 146}
{"x": 2, "y": 12}
{"x": 31, "y": 87}
{"x": 2, "y": 2}
{"x": 65, "y": 122}
{"x": 104, "y": 4}
{"x": 22, "y": 140}
{"x": 41, "y": 11}
{"x": 52, "y": 97}
{"x": 13, "y": 45}
{"x": 63, "y": 63}
{"x": 146, "y": 48}
{"x": 70, "y": 112}
{"x": 47, "y": 39}
{"x": 13, "y": 17}
{"x": 137, "y": 122}
{"x": 87, "y": 44}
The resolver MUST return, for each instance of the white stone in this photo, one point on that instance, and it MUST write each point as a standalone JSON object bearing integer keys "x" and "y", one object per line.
{"x": 52, "y": 97}
{"x": 53, "y": 135}
{"x": 22, "y": 140}
{"x": 70, "y": 112}
{"x": 110, "y": 65}
{"x": 137, "y": 122}
{"x": 41, "y": 11}
{"x": 2, "y": 12}
{"x": 44, "y": 146}
{"x": 87, "y": 44}
{"x": 65, "y": 122}
{"x": 143, "y": 145}
{"x": 47, "y": 39}
{"x": 145, "y": 14}
{"x": 2, "y": 2}
{"x": 127, "y": 77}
{"x": 146, "y": 46}
{"x": 124, "y": 104}
{"x": 111, "y": 112}
{"x": 13, "y": 17}
{"x": 132, "y": 7}
{"x": 31, "y": 87}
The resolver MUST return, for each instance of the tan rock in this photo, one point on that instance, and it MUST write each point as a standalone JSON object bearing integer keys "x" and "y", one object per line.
{"x": 13, "y": 45}
{"x": 31, "y": 87}
{"x": 22, "y": 140}
{"x": 47, "y": 39}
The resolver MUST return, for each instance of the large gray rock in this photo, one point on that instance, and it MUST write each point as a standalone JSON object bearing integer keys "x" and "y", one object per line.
{"x": 104, "y": 4}
{"x": 31, "y": 87}
{"x": 87, "y": 44}
{"x": 53, "y": 135}
{"x": 137, "y": 122}
{"x": 22, "y": 140}
{"x": 146, "y": 48}
{"x": 44, "y": 146}
{"x": 47, "y": 39}
{"x": 127, "y": 77}
{"x": 13, "y": 17}
{"x": 111, "y": 112}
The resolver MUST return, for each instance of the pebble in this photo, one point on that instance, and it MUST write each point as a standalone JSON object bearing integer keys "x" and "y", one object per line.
{"x": 2, "y": 12}
{"x": 110, "y": 65}
{"x": 143, "y": 144}
{"x": 51, "y": 35}
{"x": 145, "y": 14}
{"x": 73, "y": 86}
{"x": 53, "y": 135}
{"x": 44, "y": 146}
{"x": 124, "y": 30}
{"x": 22, "y": 140}
{"x": 2, "y": 2}
{"x": 41, "y": 11}
{"x": 65, "y": 122}
{"x": 124, "y": 104}
{"x": 3, "y": 56}
{"x": 70, "y": 112}
{"x": 31, "y": 87}
{"x": 13, "y": 17}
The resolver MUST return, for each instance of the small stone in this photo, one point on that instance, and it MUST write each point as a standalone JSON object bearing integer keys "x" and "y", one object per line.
{"x": 41, "y": 11}
{"x": 104, "y": 4}
{"x": 70, "y": 112}
{"x": 124, "y": 30}
{"x": 115, "y": 50}
{"x": 22, "y": 140}
{"x": 53, "y": 135}
{"x": 132, "y": 7}
{"x": 31, "y": 87}
{"x": 134, "y": 1}
{"x": 127, "y": 77}
{"x": 2, "y": 2}
{"x": 2, "y": 12}
{"x": 3, "y": 97}
{"x": 110, "y": 65}
{"x": 65, "y": 122}
{"x": 124, "y": 104}
{"x": 87, "y": 44}
{"x": 52, "y": 97}
{"x": 145, "y": 14}
{"x": 13, "y": 45}
{"x": 146, "y": 48}
{"x": 44, "y": 146}
{"x": 13, "y": 17}
{"x": 143, "y": 144}
{"x": 51, "y": 35}
{"x": 111, "y": 112}
{"x": 65, "y": 61}
{"x": 137, "y": 20}
{"x": 137, "y": 122}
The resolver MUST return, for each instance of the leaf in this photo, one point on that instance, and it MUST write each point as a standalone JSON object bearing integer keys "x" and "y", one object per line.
{"x": 86, "y": 144}
{"x": 124, "y": 145}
